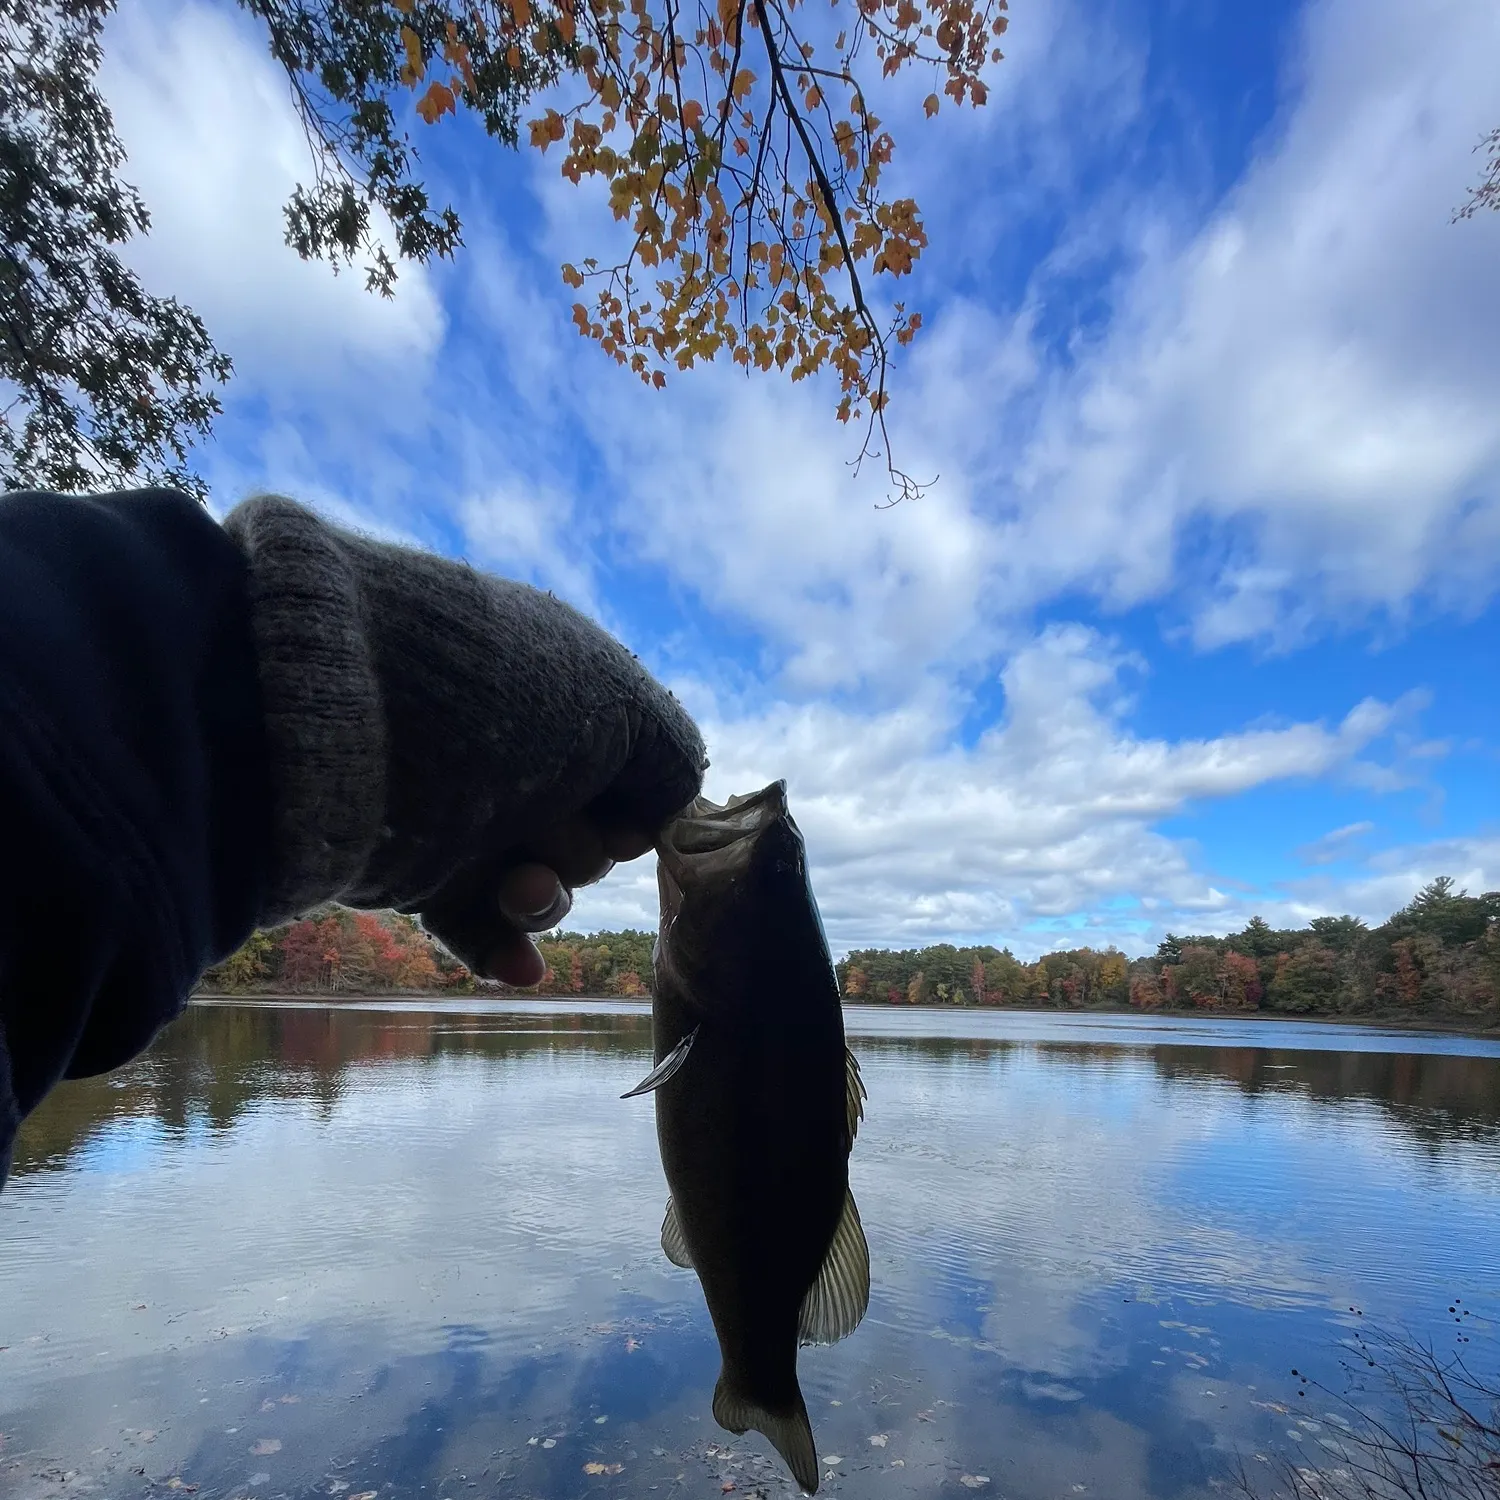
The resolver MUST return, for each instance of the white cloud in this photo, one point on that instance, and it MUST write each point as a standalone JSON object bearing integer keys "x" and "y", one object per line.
{"x": 529, "y": 532}
{"x": 1045, "y": 822}
{"x": 1308, "y": 368}
{"x": 1388, "y": 879}
{"x": 761, "y": 519}
{"x": 215, "y": 148}
{"x": 1337, "y": 844}
{"x": 1301, "y": 373}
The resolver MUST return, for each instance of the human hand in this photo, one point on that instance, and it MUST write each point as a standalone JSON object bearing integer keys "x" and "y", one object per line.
{"x": 447, "y": 742}
{"x": 536, "y": 893}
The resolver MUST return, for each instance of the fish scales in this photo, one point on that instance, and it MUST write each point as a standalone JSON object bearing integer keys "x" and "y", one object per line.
{"x": 757, "y": 1103}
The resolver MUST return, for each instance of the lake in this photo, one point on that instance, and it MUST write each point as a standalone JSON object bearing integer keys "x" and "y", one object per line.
{"x": 393, "y": 1251}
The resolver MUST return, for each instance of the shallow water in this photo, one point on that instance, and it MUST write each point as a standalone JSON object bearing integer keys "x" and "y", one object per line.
{"x": 298, "y": 1250}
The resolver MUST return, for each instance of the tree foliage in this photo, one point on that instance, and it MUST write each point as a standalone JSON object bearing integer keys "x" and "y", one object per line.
{"x": 946, "y": 975}
{"x": 1486, "y": 194}
{"x": 1438, "y": 955}
{"x": 735, "y": 138}
{"x": 351, "y": 69}
{"x": 99, "y": 380}
{"x": 336, "y": 951}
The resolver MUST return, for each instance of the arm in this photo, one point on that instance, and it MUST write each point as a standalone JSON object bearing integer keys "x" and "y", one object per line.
{"x": 207, "y": 729}
{"x": 134, "y": 790}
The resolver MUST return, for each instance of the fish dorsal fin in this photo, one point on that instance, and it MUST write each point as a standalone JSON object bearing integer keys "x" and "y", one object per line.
{"x": 854, "y": 1094}
{"x": 665, "y": 1068}
{"x": 673, "y": 1243}
{"x": 837, "y": 1300}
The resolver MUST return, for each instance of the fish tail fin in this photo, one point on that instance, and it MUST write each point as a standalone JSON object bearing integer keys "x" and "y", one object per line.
{"x": 790, "y": 1433}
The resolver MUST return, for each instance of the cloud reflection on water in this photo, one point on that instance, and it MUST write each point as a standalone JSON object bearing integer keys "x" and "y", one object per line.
{"x": 438, "y": 1232}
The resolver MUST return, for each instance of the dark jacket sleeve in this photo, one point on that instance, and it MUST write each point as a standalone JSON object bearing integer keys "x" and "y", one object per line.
{"x": 134, "y": 802}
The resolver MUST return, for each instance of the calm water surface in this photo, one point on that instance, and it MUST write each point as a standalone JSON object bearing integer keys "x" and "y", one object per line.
{"x": 392, "y": 1252}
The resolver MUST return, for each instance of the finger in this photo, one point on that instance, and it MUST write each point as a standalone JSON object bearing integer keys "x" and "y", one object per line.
{"x": 515, "y": 960}
{"x": 573, "y": 848}
{"x": 533, "y": 897}
{"x": 623, "y": 844}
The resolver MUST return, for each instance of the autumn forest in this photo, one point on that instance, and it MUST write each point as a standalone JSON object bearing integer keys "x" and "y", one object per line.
{"x": 1439, "y": 955}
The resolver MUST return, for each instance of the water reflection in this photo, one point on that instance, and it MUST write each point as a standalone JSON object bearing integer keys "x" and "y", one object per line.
{"x": 1435, "y": 1097}
{"x": 219, "y": 1060}
{"x": 301, "y": 1251}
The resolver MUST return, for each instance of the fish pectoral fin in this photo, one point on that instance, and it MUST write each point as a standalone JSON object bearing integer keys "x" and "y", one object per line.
{"x": 673, "y": 1242}
{"x": 790, "y": 1435}
{"x": 837, "y": 1300}
{"x": 854, "y": 1094}
{"x": 665, "y": 1068}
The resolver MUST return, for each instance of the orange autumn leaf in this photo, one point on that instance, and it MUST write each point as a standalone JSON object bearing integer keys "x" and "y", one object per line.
{"x": 436, "y": 102}
{"x": 756, "y": 244}
{"x": 412, "y": 43}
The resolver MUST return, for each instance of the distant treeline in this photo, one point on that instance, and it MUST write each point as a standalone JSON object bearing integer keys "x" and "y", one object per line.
{"x": 336, "y": 951}
{"x": 1438, "y": 955}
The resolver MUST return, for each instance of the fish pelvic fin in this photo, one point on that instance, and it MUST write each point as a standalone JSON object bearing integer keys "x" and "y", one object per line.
{"x": 790, "y": 1434}
{"x": 854, "y": 1095}
{"x": 665, "y": 1068}
{"x": 673, "y": 1241}
{"x": 837, "y": 1300}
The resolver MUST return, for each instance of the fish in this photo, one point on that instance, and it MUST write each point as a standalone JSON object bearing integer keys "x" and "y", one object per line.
{"x": 758, "y": 1101}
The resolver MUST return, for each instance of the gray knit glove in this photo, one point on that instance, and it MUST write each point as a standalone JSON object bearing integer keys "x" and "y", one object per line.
{"x": 432, "y": 728}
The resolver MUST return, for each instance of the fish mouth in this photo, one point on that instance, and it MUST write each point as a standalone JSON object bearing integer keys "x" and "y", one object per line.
{"x": 701, "y": 855}
{"x": 709, "y": 841}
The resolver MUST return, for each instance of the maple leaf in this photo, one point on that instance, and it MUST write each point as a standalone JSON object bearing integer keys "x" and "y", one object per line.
{"x": 412, "y": 43}
{"x": 436, "y": 102}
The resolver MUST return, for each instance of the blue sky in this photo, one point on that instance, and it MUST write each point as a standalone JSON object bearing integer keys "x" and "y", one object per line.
{"x": 1199, "y": 620}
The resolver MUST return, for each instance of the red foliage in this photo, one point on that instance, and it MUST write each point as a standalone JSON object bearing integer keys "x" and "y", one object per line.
{"x": 1240, "y": 982}
{"x": 1146, "y": 991}
{"x": 1408, "y": 972}
{"x": 304, "y": 953}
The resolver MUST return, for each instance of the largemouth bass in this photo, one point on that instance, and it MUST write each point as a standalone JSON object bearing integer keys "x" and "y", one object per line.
{"x": 757, "y": 1104}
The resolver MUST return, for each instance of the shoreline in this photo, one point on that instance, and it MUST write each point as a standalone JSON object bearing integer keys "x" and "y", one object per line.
{"x": 1393, "y": 1021}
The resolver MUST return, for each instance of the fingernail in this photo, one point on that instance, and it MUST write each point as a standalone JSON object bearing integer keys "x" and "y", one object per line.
{"x": 550, "y": 915}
